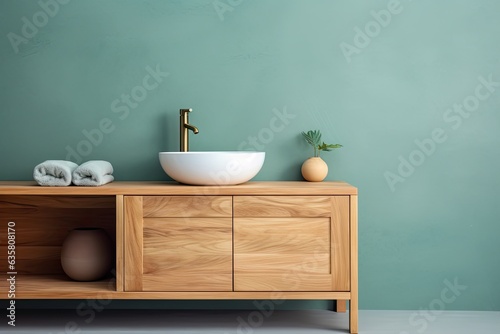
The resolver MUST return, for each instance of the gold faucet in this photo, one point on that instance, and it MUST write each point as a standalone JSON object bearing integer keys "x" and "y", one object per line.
{"x": 185, "y": 126}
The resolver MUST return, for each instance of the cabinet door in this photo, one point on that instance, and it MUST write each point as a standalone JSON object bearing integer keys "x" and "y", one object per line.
{"x": 291, "y": 243}
{"x": 178, "y": 243}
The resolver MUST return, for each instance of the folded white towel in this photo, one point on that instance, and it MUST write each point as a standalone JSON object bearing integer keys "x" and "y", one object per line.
{"x": 55, "y": 173}
{"x": 93, "y": 173}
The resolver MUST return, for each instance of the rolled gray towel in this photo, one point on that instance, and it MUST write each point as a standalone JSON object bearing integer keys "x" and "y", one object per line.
{"x": 54, "y": 173}
{"x": 93, "y": 173}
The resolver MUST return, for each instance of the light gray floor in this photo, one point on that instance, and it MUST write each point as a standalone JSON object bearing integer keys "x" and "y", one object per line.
{"x": 249, "y": 322}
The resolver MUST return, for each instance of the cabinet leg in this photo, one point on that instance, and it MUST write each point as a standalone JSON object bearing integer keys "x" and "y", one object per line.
{"x": 353, "y": 316}
{"x": 339, "y": 306}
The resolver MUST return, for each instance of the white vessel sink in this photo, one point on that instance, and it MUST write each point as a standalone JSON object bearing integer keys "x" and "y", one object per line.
{"x": 212, "y": 168}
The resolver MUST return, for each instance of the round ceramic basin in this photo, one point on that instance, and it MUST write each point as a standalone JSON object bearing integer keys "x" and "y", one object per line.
{"x": 212, "y": 168}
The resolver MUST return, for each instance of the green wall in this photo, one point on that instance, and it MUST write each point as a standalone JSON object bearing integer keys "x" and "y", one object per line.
{"x": 410, "y": 88}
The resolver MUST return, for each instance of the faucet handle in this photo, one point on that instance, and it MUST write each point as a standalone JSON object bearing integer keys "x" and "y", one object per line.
{"x": 183, "y": 111}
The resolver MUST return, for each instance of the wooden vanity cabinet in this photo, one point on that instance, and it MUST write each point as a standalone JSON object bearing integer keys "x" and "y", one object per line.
{"x": 258, "y": 240}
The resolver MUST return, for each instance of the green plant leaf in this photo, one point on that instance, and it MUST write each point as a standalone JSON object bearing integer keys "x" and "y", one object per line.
{"x": 313, "y": 138}
{"x": 328, "y": 147}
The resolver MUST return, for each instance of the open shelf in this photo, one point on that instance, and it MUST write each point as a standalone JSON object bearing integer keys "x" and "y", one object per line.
{"x": 41, "y": 223}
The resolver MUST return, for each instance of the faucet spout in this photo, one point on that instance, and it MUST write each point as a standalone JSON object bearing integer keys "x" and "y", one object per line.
{"x": 192, "y": 128}
{"x": 184, "y": 127}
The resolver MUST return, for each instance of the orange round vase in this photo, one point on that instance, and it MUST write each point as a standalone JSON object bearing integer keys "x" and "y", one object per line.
{"x": 314, "y": 169}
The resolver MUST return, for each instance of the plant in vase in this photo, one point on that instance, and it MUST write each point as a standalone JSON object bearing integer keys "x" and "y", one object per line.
{"x": 315, "y": 169}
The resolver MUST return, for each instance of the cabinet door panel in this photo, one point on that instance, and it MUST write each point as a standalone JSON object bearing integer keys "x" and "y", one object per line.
{"x": 176, "y": 254}
{"x": 288, "y": 253}
{"x": 282, "y": 206}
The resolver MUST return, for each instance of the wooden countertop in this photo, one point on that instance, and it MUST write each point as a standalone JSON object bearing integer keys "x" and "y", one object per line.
{"x": 173, "y": 188}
